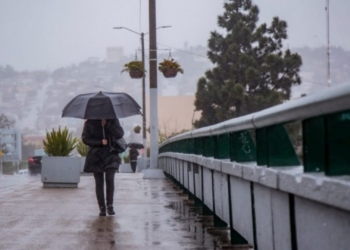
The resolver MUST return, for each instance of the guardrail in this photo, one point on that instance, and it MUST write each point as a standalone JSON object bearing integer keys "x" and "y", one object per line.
{"x": 261, "y": 137}
{"x": 261, "y": 184}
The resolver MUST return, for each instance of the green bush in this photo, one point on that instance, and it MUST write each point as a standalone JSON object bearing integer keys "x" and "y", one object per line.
{"x": 126, "y": 159}
{"x": 82, "y": 148}
{"x": 60, "y": 142}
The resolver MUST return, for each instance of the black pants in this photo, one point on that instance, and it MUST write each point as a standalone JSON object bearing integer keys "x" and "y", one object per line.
{"x": 99, "y": 180}
{"x": 133, "y": 165}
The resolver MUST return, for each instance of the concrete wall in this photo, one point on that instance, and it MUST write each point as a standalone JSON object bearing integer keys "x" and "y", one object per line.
{"x": 272, "y": 208}
{"x": 242, "y": 208}
{"x": 198, "y": 181}
{"x": 208, "y": 189}
{"x": 328, "y": 227}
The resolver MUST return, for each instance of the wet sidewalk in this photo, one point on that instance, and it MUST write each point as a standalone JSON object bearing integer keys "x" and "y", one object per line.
{"x": 150, "y": 214}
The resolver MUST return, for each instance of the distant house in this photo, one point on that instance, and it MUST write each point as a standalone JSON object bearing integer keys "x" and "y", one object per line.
{"x": 114, "y": 54}
{"x": 175, "y": 113}
{"x": 37, "y": 140}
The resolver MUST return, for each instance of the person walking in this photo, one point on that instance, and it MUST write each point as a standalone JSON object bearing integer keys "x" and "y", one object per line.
{"x": 101, "y": 160}
{"x": 133, "y": 154}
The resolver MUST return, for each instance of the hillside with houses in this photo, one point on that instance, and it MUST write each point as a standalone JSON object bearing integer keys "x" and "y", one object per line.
{"x": 35, "y": 99}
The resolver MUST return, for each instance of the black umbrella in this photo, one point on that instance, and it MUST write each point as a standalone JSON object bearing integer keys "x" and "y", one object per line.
{"x": 101, "y": 105}
{"x": 135, "y": 145}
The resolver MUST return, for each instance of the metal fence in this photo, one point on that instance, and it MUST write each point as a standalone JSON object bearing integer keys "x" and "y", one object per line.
{"x": 263, "y": 138}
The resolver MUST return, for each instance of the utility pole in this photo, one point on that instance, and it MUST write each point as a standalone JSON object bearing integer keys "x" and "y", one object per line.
{"x": 144, "y": 99}
{"x": 329, "y": 81}
{"x": 154, "y": 171}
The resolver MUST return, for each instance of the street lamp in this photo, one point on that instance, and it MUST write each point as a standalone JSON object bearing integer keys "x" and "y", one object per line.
{"x": 143, "y": 82}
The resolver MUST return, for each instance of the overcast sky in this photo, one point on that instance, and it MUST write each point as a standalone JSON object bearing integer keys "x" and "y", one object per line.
{"x": 46, "y": 34}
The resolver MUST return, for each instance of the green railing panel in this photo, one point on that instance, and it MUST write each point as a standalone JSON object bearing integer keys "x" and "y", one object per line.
{"x": 314, "y": 145}
{"x": 202, "y": 145}
{"x": 244, "y": 147}
{"x": 175, "y": 146}
{"x": 179, "y": 146}
{"x": 211, "y": 146}
{"x": 216, "y": 148}
{"x": 187, "y": 146}
{"x": 224, "y": 146}
{"x": 262, "y": 147}
{"x": 198, "y": 146}
{"x": 233, "y": 156}
{"x": 191, "y": 146}
{"x": 281, "y": 152}
{"x": 206, "y": 146}
{"x": 184, "y": 146}
{"x": 338, "y": 144}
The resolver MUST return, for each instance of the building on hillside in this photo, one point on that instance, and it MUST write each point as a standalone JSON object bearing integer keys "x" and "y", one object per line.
{"x": 37, "y": 140}
{"x": 175, "y": 113}
{"x": 93, "y": 60}
{"x": 114, "y": 54}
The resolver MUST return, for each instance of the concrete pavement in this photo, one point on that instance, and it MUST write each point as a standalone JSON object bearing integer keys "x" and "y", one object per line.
{"x": 9, "y": 181}
{"x": 150, "y": 214}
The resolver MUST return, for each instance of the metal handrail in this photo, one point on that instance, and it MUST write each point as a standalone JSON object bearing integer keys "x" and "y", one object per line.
{"x": 333, "y": 100}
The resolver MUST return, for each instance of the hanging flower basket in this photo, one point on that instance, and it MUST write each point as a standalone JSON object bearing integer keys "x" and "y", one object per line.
{"x": 169, "y": 73}
{"x": 135, "y": 69}
{"x": 136, "y": 74}
{"x": 170, "y": 68}
{"x": 137, "y": 129}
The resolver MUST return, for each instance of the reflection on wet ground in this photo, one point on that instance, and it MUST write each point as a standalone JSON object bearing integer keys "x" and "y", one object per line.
{"x": 201, "y": 228}
{"x": 7, "y": 181}
{"x": 150, "y": 214}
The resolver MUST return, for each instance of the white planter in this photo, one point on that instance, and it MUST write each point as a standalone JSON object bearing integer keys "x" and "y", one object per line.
{"x": 142, "y": 164}
{"x": 57, "y": 171}
{"x": 82, "y": 163}
{"x": 125, "y": 168}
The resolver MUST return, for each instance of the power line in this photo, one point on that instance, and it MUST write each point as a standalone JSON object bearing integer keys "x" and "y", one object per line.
{"x": 185, "y": 51}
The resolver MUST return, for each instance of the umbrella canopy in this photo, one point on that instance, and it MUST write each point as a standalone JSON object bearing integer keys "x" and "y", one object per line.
{"x": 135, "y": 145}
{"x": 101, "y": 105}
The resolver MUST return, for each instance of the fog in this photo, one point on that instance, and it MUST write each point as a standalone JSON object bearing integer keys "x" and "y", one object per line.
{"x": 67, "y": 41}
{"x": 39, "y": 34}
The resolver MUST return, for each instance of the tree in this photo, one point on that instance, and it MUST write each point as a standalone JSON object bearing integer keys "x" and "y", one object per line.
{"x": 5, "y": 122}
{"x": 7, "y": 72}
{"x": 251, "y": 72}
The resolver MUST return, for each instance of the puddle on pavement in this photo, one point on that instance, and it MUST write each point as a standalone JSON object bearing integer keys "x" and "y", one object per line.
{"x": 200, "y": 224}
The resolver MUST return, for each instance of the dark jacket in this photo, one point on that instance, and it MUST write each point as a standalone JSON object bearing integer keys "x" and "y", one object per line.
{"x": 133, "y": 153}
{"x": 99, "y": 157}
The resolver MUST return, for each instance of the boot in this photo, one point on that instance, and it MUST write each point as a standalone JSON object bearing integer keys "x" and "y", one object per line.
{"x": 103, "y": 211}
{"x": 110, "y": 210}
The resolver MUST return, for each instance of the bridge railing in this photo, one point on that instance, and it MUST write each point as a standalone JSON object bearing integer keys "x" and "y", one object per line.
{"x": 279, "y": 178}
{"x": 262, "y": 138}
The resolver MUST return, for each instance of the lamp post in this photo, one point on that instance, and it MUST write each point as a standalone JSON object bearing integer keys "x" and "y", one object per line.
{"x": 153, "y": 171}
{"x": 144, "y": 136}
{"x": 142, "y": 35}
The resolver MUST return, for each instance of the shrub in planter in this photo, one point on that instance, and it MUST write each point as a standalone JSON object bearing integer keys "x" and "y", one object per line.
{"x": 82, "y": 151}
{"x": 82, "y": 148}
{"x": 60, "y": 142}
{"x": 59, "y": 170}
{"x": 126, "y": 159}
